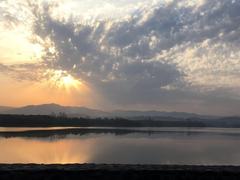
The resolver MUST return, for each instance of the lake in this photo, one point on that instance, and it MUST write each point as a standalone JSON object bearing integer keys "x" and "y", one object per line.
{"x": 191, "y": 146}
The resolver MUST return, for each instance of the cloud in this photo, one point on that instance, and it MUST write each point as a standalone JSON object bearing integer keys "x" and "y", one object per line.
{"x": 3, "y": 68}
{"x": 24, "y": 72}
{"x": 163, "y": 53}
{"x": 106, "y": 67}
{"x": 138, "y": 82}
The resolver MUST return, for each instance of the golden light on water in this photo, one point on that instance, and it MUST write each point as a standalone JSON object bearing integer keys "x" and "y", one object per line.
{"x": 65, "y": 151}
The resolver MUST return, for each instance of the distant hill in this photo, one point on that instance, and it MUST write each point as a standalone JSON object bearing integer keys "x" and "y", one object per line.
{"x": 50, "y": 109}
{"x": 5, "y": 108}
{"x": 71, "y": 111}
{"x": 155, "y": 114}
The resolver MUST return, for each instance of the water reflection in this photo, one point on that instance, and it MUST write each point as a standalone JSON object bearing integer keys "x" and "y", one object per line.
{"x": 166, "y": 147}
{"x": 18, "y": 150}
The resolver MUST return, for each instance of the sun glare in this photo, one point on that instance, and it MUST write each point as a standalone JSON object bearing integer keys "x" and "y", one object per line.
{"x": 69, "y": 81}
{"x": 63, "y": 80}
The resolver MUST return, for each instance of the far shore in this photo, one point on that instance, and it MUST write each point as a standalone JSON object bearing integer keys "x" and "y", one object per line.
{"x": 63, "y": 121}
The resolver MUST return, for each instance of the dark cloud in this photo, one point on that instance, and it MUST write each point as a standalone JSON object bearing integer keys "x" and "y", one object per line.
{"x": 118, "y": 77}
{"x": 121, "y": 61}
{"x": 138, "y": 82}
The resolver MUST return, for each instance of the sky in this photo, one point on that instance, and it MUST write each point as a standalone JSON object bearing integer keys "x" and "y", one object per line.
{"x": 171, "y": 55}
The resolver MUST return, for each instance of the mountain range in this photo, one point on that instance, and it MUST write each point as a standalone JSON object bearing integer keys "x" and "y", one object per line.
{"x": 72, "y": 111}
{"x": 5, "y": 109}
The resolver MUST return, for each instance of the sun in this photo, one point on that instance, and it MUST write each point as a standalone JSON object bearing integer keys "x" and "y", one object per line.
{"x": 69, "y": 81}
{"x": 63, "y": 80}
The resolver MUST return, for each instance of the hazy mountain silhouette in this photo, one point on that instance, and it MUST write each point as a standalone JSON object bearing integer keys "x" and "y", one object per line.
{"x": 5, "y": 108}
{"x": 48, "y": 109}
{"x": 142, "y": 114}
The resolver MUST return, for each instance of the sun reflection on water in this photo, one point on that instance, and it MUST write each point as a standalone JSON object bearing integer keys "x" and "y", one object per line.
{"x": 19, "y": 150}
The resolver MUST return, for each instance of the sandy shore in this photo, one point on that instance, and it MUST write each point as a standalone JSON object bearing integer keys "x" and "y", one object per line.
{"x": 116, "y": 172}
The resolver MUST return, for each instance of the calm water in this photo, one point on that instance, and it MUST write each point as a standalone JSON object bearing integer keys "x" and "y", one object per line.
{"x": 133, "y": 146}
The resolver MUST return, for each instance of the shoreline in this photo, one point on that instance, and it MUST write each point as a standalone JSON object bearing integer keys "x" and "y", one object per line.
{"x": 116, "y": 171}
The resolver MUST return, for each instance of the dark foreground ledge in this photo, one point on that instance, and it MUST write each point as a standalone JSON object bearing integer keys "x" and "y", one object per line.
{"x": 117, "y": 172}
